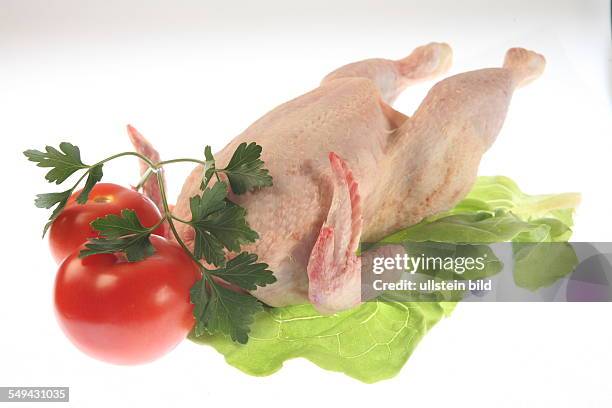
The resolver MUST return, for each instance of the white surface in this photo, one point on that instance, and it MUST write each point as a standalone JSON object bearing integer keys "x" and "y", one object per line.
{"x": 194, "y": 73}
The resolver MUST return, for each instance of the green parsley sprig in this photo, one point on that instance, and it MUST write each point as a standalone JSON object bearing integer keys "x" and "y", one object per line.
{"x": 64, "y": 163}
{"x": 219, "y": 225}
{"x": 123, "y": 234}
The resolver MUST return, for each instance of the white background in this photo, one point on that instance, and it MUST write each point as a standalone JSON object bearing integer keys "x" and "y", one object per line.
{"x": 194, "y": 73}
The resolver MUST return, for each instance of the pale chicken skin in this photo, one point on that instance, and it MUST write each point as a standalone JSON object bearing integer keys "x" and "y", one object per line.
{"x": 348, "y": 168}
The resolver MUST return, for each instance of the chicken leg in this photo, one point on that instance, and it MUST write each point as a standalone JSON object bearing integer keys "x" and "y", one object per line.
{"x": 392, "y": 77}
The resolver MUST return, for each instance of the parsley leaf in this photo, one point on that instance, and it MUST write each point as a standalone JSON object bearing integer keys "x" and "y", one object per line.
{"x": 64, "y": 162}
{"x": 94, "y": 176}
{"x": 60, "y": 199}
{"x": 122, "y": 233}
{"x": 218, "y": 224}
{"x": 245, "y": 170}
{"x": 244, "y": 272}
{"x": 209, "y": 168}
{"x": 199, "y": 296}
{"x": 218, "y": 309}
{"x": 229, "y": 226}
{"x": 211, "y": 201}
{"x": 48, "y": 200}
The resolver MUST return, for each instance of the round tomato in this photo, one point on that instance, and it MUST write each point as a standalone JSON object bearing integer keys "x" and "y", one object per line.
{"x": 71, "y": 228}
{"x": 126, "y": 312}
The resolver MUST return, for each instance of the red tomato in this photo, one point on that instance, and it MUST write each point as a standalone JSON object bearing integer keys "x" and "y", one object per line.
{"x": 71, "y": 228}
{"x": 126, "y": 312}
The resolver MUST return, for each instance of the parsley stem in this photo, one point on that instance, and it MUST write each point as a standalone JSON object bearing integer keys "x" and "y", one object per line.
{"x": 152, "y": 165}
{"x": 170, "y": 218}
{"x": 160, "y": 222}
{"x": 182, "y": 221}
{"x": 140, "y": 156}
{"x": 161, "y": 163}
{"x": 154, "y": 168}
{"x": 144, "y": 178}
{"x": 167, "y": 216}
{"x": 81, "y": 179}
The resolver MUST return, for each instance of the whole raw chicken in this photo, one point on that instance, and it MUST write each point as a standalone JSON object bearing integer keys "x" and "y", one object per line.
{"x": 347, "y": 167}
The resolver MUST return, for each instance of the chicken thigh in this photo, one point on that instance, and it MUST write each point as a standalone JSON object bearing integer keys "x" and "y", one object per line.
{"x": 347, "y": 167}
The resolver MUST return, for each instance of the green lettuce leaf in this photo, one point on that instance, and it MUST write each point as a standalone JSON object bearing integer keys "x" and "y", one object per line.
{"x": 540, "y": 264}
{"x": 373, "y": 341}
{"x": 496, "y": 210}
{"x": 494, "y": 193}
{"x": 478, "y": 227}
{"x": 370, "y": 343}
